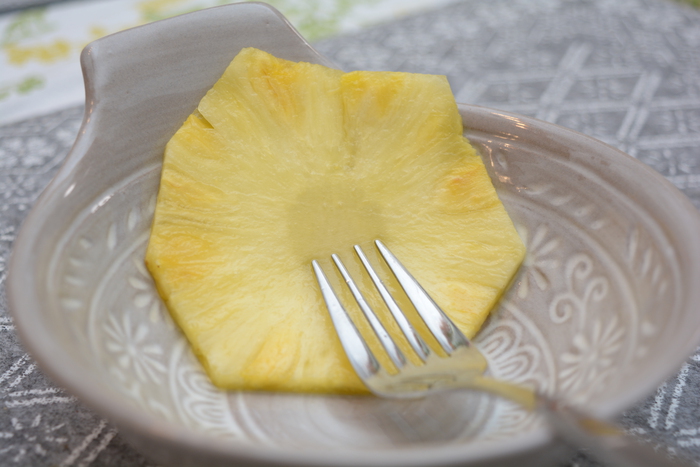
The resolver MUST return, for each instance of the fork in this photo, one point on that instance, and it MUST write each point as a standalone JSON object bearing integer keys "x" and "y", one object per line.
{"x": 464, "y": 367}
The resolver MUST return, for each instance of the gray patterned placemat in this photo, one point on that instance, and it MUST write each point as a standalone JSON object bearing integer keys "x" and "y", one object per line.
{"x": 624, "y": 71}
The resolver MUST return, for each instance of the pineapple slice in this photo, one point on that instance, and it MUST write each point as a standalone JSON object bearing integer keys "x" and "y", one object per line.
{"x": 286, "y": 162}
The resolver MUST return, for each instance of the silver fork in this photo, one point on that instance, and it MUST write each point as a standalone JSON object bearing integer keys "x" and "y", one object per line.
{"x": 464, "y": 368}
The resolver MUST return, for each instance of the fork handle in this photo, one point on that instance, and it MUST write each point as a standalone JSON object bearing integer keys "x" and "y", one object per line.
{"x": 603, "y": 440}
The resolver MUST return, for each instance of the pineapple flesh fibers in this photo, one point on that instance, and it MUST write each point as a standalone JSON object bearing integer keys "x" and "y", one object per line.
{"x": 283, "y": 163}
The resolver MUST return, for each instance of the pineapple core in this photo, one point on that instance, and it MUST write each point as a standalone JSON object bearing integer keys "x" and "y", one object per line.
{"x": 282, "y": 163}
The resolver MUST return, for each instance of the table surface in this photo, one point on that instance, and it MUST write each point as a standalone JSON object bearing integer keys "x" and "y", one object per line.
{"x": 624, "y": 71}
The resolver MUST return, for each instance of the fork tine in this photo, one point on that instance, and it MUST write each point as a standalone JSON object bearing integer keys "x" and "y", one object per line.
{"x": 442, "y": 327}
{"x": 360, "y": 356}
{"x": 412, "y": 336}
{"x": 389, "y": 345}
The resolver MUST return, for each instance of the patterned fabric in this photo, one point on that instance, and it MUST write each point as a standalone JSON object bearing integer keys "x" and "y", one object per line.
{"x": 41, "y": 46}
{"x": 624, "y": 71}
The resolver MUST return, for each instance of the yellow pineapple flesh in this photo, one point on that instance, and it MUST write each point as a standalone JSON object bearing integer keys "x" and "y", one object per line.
{"x": 285, "y": 162}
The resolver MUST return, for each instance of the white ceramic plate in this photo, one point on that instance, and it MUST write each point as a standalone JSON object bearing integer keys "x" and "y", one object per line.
{"x": 604, "y": 308}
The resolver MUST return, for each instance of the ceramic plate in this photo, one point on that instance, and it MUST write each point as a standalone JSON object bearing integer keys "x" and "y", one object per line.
{"x": 603, "y": 309}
